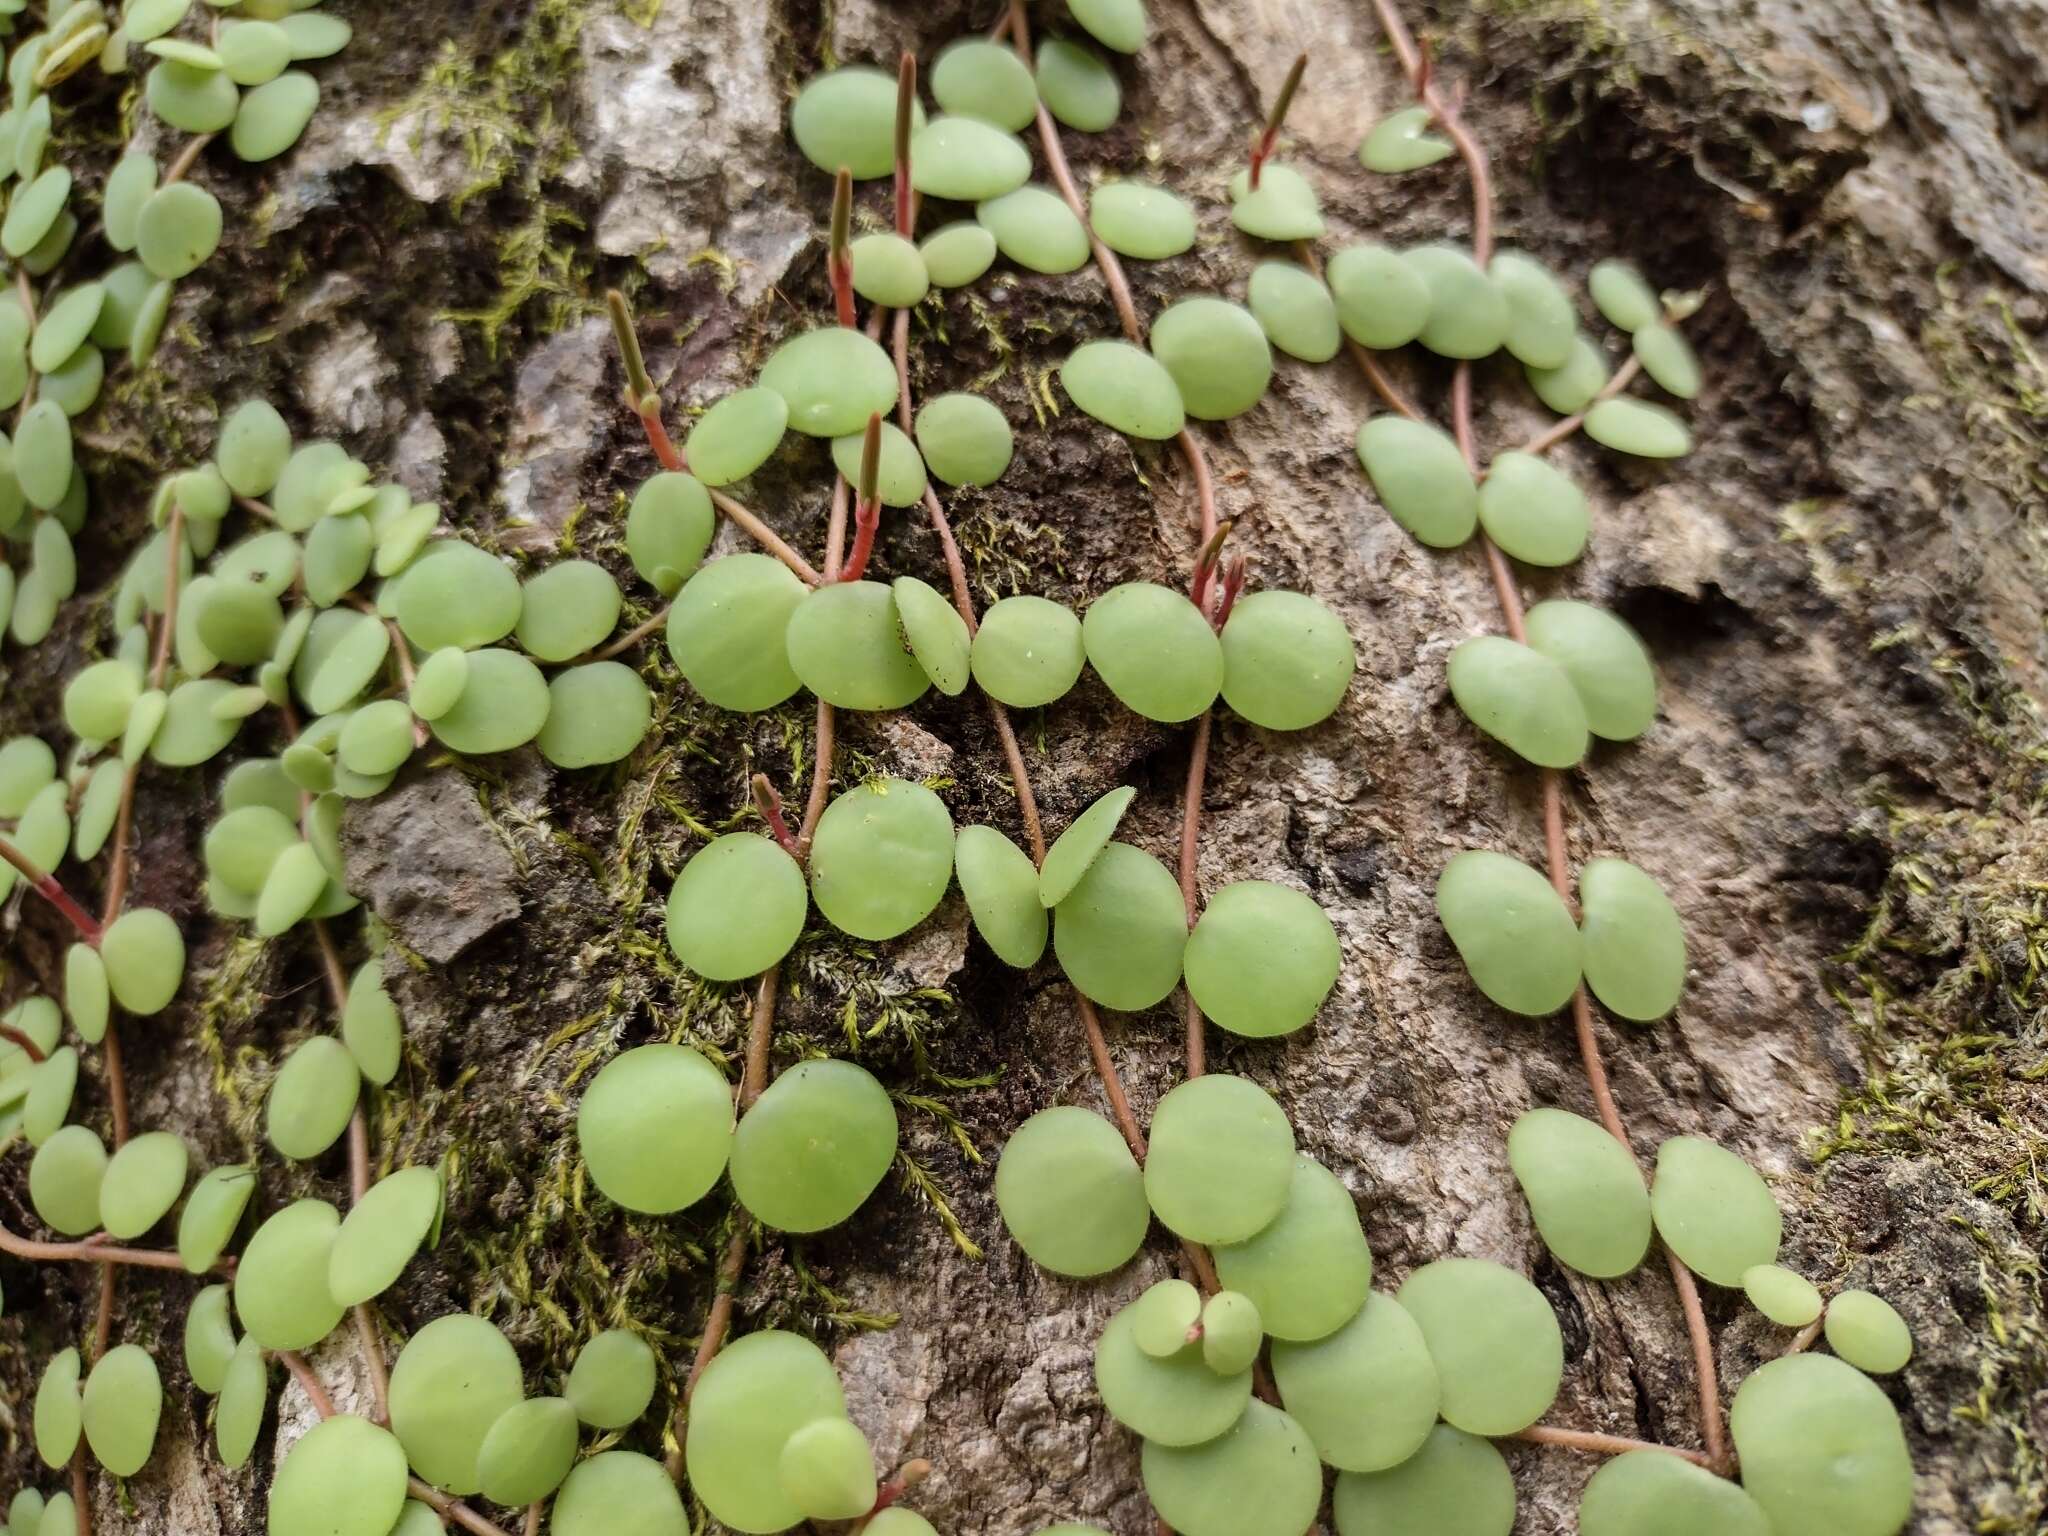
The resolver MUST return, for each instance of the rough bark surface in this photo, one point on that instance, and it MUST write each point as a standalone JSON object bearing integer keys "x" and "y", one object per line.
{"x": 1844, "y": 589}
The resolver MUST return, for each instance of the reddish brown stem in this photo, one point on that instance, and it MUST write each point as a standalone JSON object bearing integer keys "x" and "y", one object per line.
{"x": 1190, "y": 840}
{"x": 48, "y": 887}
{"x": 174, "y": 541}
{"x": 81, "y": 1494}
{"x": 1422, "y": 80}
{"x": 838, "y": 258}
{"x": 179, "y": 168}
{"x": 24, "y": 1041}
{"x": 1421, "y": 77}
{"x": 1546, "y": 440}
{"x": 630, "y": 638}
{"x": 91, "y": 1250}
{"x": 906, "y": 108}
{"x": 769, "y": 805}
{"x": 1602, "y": 1445}
{"x": 1262, "y": 143}
{"x": 1803, "y": 1339}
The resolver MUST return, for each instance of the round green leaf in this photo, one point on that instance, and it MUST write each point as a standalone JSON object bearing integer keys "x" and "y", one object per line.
{"x": 439, "y": 682}
{"x": 965, "y": 439}
{"x": 619, "y": 1493}
{"x": 814, "y": 1146}
{"x": 1633, "y": 941}
{"x": 527, "y": 1453}
{"x": 1790, "y": 1300}
{"x": 597, "y": 713}
{"x": 845, "y": 646}
{"x": 456, "y": 594}
{"x": 1382, "y": 302}
{"x": 381, "y": 1233}
{"x": 504, "y": 704}
{"x": 1162, "y": 1317}
{"x": 759, "y": 1390}
{"x": 1498, "y": 1351}
{"x": 450, "y": 1384}
{"x": 179, "y": 226}
{"x": 1868, "y": 1332}
{"x": 1287, "y": 660}
{"x": 1456, "y": 1485}
{"x": 1036, "y": 229}
{"x": 1533, "y": 510}
{"x": 848, "y": 117}
{"x": 143, "y": 1181}
{"x": 966, "y": 160}
{"x": 1155, "y": 650}
{"x": 1821, "y": 1448}
{"x": 1221, "y": 1163}
{"x": 1138, "y": 219}
{"x": 312, "y": 1098}
{"x": 1121, "y": 932}
{"x": 344, "y": 1477}
{"x": 737, "y": 907}
{"x": 726, "y": 631}
{"x": 63, "y": 326}
{"x": 1261, "y": 1478}
{"x": 370, "y": 1026}
{"x": 1512, "y": 930}
{"x": 729, "y": 442}
{"x": 1071, "y": 1194}
{"x": 238, "y": 1417}
{"x": 1400, "y": 141}
{"x": 1217, "y": 354}
{"x": 1651, "y": 1493}
{"x": 1572, "y": 386}
{"x": 1262, "y": 959}
{"x": 59, "y": 1414}
{"x": 1283, "y": 207}
{"x": 1173, "y": 1399}
{"x": 1001, "y": 886}
{"x": 956, "y": 254}
{"x": 123, "y": 1398}
{"x": 1468, "y": 313}
{"x": 670, "y": 523}
{"x": 1421, "y": 479}
{"x": 1077, "y": 85}
{"x": 655, "y": 1127}
{"x": 881, "y": 858}
{"x": 1584, "y": 1190}
{"x": 888, "y": 270}
{"x": 145, "y": 959}
{"x": 1124, "y": 388}
{"x": 1028, "y": 651}
{"x": 51, "y": 1084}
{"x": 936, "y": 634}
{"x": 64, "y": 1180}
{"x": 86, "y": 996}
{"x": 1231, "y": 1333}
{"x": 612, "y": 1381}
{"x": 1667, "y": 359}
{"x": 1608, "y": 665}
{"x": 1620, "y": 294}
{"x": 212, "y": 1212}
{"x": 1309, "y": 1268}
{"x": 1638, "y": 427}
{"x": 1542, "y": 324}
{"x": 828, "y": 1470}
{"x": 978, "y": 78}
{"x": 1367, "y": 1394}
{"x": 1075, "y": 850}
{"x": 566, "y": 609}
{"x": 1521, "y": 698}
{"x": 1295, "y": 310}
{"x": 1713, "y": 1210}
{"x": 209, "y": 1339}
{"x": 273, "y": 116}
{"x": 281, "y": 1291}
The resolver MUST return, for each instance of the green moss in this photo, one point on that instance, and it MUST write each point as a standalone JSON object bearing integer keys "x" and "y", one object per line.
{"x": 503, "y": 112}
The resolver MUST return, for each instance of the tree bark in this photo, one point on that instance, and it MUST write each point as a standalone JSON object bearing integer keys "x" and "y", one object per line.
{"x": 1843, "y": 587}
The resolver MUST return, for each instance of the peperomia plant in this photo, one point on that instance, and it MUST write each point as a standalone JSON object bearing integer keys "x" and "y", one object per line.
{"x": 290, "y": 599}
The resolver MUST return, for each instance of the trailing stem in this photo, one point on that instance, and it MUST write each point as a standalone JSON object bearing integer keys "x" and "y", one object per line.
{"x": 1264, "y": 140}
{"x": 51, "y": 889}
{"x": 1422, "y": 81}
{"x": 839, "y": 253}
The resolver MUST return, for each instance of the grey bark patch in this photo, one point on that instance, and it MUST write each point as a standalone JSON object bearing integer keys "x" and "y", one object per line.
{"x": 428, "y": 863}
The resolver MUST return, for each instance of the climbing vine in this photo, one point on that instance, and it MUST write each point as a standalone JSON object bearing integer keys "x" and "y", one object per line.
{"x": 295, "y": 605}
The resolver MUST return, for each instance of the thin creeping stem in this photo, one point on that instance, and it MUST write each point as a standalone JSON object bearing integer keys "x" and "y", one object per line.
{"x": 1421, "y": 79}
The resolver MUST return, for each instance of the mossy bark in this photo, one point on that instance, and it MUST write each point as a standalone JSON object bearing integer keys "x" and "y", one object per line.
{"x": 1843, "y": 586}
